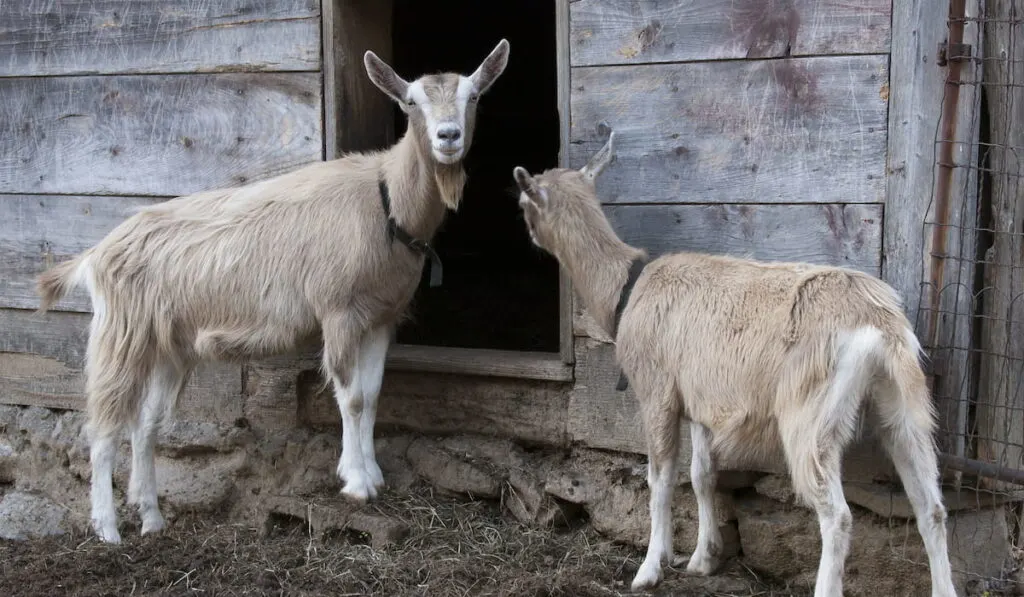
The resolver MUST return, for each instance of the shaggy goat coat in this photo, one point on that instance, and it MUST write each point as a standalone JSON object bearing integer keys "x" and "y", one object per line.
{"x": 767, "y": 362}
{"x": 265, "y": 269}
{"x": 250, "y": 272}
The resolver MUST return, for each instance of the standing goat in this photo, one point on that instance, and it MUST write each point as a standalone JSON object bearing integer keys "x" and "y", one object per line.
{"x": 259, "y": 270}
{"x": 750, "y": 353}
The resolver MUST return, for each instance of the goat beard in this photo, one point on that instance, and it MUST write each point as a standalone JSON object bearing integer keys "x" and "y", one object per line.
{"x": 450, "y": 182}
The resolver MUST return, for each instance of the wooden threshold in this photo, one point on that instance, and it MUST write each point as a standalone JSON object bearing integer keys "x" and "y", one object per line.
{"x": 547, "y": 366}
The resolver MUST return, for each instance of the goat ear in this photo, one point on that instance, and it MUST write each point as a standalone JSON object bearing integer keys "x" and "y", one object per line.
{"x": 601, "y": 159}
{"x": 524, "y": 180}
{"x": 491, "y": 68}
{"x": 529, "y": 186}
{"x": 385, "y": 77}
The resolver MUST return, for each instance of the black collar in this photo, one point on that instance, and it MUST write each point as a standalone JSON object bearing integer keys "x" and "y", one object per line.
{"x": 416, "y": 245}
{"x": 634, "y": 274}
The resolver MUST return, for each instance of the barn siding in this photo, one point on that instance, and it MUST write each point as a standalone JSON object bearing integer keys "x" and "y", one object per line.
{"x": 76, "y": 37}
{"x": 745, "y": 128}
{"x": 109, "y": 105}
{"x": 740, "y": 131}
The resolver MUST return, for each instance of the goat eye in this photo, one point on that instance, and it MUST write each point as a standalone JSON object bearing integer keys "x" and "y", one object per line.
{"x": 474, "y": 97}
{"x": 410, "y": 103}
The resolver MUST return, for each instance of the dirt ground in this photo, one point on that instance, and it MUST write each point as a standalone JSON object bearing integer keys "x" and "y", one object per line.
{"x": 452, "y": 548}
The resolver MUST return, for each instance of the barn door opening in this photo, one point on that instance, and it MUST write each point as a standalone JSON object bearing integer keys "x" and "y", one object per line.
{"x": 499, "y": 291}
{"x": 503, "y": 308}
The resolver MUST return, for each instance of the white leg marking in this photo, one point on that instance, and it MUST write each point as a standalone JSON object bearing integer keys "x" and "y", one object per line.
{"x": 162, "y": 389}
{"x": 911, "y": 451}
{"x": 372, "y": 354}
{"x": 104, "y": 516}
{"x": 661, "y": 478}
{"x": 351, "y": 466}
{"x": 705, "y": 557}
{"x": 835, "y": 522}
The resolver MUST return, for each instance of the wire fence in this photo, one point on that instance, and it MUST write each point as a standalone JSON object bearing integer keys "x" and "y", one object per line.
{"x": 971, "y": 319}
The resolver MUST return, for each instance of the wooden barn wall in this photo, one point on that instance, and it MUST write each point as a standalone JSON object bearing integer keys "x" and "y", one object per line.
{"x": 747, "y": 128}
{"x": 108, "y": 105}
{"x": 753, "y": 128}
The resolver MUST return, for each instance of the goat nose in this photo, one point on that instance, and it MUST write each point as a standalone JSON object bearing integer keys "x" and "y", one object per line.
{"x": 449, "y": 133}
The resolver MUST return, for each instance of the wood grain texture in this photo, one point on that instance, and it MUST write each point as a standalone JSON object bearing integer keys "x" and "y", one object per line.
{"x": 40, "y": 231}
{"x": 294, "y": 392}
{"x": 845, "y": 235}
{"x": 357, "y": 115}
{"x": 915, "y": 102}
{"x": 612, "y": 32}
{"x": 163, "y": 135}
{"x": 564, "y": 73}
{"x": 809, "y": 130}
{"x": 915, "y": 106}
{"x": 476, "y": 361}
{"x": 65, "y": 37}
{"x": 41, "y": 359}
{"x": 602, "y": 417}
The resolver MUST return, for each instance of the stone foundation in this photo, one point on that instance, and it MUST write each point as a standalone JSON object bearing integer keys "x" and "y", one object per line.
{"x": 234, "y": 470}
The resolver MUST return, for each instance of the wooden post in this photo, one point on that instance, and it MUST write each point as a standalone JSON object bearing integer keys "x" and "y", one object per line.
{"x": 565, "y": 293}
{"x": 1000, "y": 410}
{"x": 357, "y": 115}
{"x": 916, "y": 85}
{"x": 915, "y": 91}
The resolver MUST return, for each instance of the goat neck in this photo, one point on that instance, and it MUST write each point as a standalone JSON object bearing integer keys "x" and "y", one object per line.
{"x": 599, "y": 269}
{"x": 420, "y": 187}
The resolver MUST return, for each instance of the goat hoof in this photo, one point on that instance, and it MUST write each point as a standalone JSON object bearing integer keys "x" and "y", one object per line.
{"x": 153, "y": 524}
{"x": 359, "y": 490}
{"x": 647, "y": 577}
{"x": 107, "y": 533}
{"x": 376, "y": 476}
{"x": 701, "y": 564}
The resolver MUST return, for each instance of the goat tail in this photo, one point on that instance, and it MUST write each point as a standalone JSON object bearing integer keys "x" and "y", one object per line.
{"x": 816, "y": 439}
{"x": 119, "y": 360}
{"x": 55, "y": 282}
{"x": 903, "y": 401}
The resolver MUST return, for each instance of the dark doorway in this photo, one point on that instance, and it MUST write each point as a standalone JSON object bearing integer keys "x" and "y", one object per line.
{"x": 499, "y": 291}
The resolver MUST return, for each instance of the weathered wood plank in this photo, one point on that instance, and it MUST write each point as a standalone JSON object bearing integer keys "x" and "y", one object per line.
{"x": 915, "y": 102}
{"x": 602, "y": 417}
{"x": 533, "y": 411}
{"x": 1000, "y": 408}
{"x": 39, "y": 231}
{"x": 845, "y": 235}
{"x": 41, "y": 359}
{"x": 64, "y": 37}
{"x": 612, "y": 32}
{"x": 358, "y": 116}
{"x": 564, "y": 73}
{"x": 155, "y": 134}
{"x": 809, "y": 130}
{"x": 479, "y": 361}
{"x": 915, "y": 105}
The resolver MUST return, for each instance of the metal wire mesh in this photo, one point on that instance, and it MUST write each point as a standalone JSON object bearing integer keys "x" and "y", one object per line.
{"x": 971, "y": 318}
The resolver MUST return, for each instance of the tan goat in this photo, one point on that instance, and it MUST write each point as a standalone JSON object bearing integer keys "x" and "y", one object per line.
{"x": 760, "y": 358}
{"x": 262, "y": 269}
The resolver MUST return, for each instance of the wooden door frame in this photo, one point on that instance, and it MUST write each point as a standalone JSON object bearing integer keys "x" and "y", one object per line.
{"x": 353, "y": 112}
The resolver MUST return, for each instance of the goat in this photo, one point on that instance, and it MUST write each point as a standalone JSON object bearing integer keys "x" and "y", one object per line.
{"x": 263, "y": 269}
{"x": 757, "y": 357}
